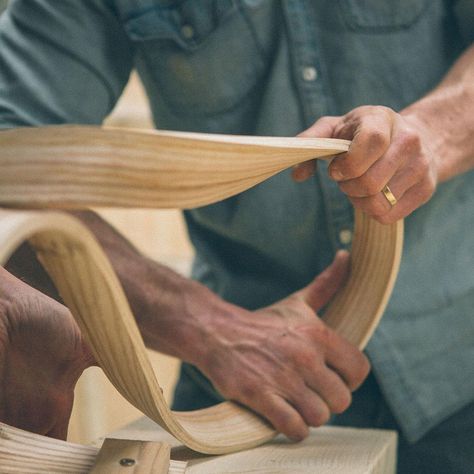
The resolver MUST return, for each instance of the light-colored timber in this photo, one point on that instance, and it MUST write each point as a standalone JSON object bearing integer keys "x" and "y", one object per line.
{"x": 327, "y": 450}
{"x": 128, "y": 456}
{"x": 77, "y": 167}
{"x": 22, "y": 452}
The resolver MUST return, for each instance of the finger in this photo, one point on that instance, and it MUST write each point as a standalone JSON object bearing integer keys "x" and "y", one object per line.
{"x": 404, "y": 153}
{"x": 330, "y": 387}
{"x": 412, "y": 199}
{"x": 376, "y": 177}
{"x": 370, "y": 140}
{"x": 347, "y": 361}
{"x": 311, "y": 406}
{"x": 283, "y": 417}
{"x": 320, "y": 291}
{"x": 303, "y": 171}
{"x": 378, "y": 205}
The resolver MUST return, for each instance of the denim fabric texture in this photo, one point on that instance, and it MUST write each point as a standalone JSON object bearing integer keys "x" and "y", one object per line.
{"x": 272, "y": 68}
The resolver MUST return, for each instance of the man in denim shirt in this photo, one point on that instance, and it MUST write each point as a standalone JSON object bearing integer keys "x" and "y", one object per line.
{"x": 397, "y": 78}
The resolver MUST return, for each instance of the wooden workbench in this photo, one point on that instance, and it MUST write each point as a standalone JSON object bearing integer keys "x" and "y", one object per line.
{"x": 328, "y": 450}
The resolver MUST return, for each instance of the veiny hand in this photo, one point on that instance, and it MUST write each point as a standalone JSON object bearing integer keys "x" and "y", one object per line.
{"x": 284, "y": 362}
{"x": 387, "y": 148}
{"x": 42, "y": 355}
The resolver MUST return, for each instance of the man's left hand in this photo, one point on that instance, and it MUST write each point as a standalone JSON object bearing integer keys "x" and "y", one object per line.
{"x": 387, "y": 149}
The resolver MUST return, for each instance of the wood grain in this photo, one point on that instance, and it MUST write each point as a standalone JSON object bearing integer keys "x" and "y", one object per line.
{"x": 64, "y": 167}
{"x": 22, "y": 452}
{"x": 127, "y": 456}
{"x": 327, "y": 450}
{"x": 77, "y": 167}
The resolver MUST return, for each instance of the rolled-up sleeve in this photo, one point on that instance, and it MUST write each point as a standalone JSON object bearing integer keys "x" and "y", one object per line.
{"x": 61, "y": 61}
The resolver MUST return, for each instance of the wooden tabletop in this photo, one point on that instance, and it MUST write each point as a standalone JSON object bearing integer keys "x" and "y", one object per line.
{"x": 328, "y": 450}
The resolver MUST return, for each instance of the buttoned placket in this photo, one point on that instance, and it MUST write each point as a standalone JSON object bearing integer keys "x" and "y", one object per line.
{"x": 315, "y": 102}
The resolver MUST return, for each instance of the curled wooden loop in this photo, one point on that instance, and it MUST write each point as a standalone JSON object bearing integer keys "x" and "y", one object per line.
{"x": 77, "y": 167}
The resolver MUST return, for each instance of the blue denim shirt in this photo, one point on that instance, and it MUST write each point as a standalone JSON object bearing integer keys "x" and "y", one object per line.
{"x": 272, "y": 68}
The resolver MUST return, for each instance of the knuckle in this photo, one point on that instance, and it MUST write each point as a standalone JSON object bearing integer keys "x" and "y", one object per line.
{"x": 411, "y": 140}
{"x": 422, "y": 165}
{"x": 386, "y": 111}
{"x": 327, "y": 119}
{"x": 321, "y": 334}
{"x": 350, "y": 166}
{"x": 377, "y": 140}
{"x": 362, "y": 110}
{"x": 305, "y": 358}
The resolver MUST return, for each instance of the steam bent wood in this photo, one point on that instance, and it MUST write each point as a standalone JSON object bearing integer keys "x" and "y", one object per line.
{"x": 77, "y": 167}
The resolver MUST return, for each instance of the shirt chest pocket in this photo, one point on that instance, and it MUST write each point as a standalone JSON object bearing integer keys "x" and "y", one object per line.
{"x": 203, "y": 57}
{"x": 382, "y": 15}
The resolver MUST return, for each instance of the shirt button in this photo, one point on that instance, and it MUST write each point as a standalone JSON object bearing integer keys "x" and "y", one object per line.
{"x": 345, "y": 236}
{"x": 309, "y": 73}
{"x": 187, "y": 31}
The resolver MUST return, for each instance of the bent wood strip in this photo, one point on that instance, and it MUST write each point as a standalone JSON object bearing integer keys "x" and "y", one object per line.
{"x": 77, "y": 167}
{"x": 83, "y": 166}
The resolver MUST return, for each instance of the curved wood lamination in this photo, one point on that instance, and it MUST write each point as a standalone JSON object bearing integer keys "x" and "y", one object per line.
{"x": 77, "y": 167}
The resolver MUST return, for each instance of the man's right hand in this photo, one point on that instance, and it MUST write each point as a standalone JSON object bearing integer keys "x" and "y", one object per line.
{"x": 284, "y": 362}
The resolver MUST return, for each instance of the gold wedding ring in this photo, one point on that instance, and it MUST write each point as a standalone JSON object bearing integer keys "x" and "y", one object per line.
{"x": 389, "y": 195}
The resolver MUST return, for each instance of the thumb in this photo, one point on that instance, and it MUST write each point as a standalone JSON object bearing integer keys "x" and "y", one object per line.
{"x": 320, "y": 291}
{"x": 322, "y": 128}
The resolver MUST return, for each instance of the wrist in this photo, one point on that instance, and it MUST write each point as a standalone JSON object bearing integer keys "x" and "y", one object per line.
{"x": 445, "y": 123}
{"x": 175, "y": 315}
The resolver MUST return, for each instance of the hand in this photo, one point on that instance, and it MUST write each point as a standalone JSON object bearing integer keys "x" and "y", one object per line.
{"x": 387, "y": 149}
{"x": 284, "y": 362}
{"x": 42, "y": 355}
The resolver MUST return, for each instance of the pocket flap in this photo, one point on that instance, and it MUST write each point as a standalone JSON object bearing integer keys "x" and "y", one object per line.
{"x": 186, "y": 23}
{"x": 382, "y": 15}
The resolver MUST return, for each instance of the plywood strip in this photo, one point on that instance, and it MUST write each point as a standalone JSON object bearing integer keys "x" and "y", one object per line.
{"x": 76, "y": 167}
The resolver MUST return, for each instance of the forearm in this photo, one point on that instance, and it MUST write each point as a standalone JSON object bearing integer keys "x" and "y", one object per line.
{"x": 447, "y": 115}
{"x": 175, "y": 315}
